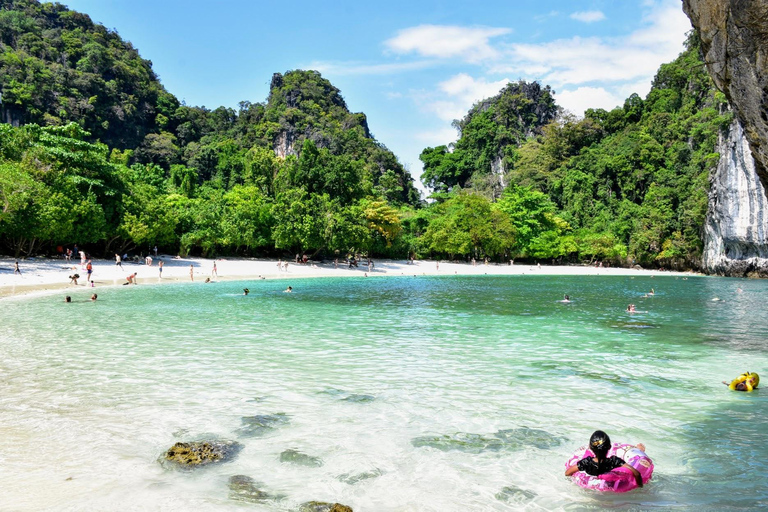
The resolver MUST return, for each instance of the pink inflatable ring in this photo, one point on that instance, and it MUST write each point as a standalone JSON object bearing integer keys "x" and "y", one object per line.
{"x": 618, "y": 480}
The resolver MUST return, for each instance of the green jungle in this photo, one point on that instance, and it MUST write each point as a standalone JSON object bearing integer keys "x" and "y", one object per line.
{"x": 94, "y": 151}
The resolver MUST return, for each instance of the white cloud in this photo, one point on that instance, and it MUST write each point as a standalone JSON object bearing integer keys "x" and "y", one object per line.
{"x": 582, "y": 98}
{"x": 588, "y": 16}
{"x": 597, "y": 60}
{"x": 442, "y": 41}
{"x": 456, "y": 95}
{"x": 440, "y": 137}
{"x": 358, "y": 68}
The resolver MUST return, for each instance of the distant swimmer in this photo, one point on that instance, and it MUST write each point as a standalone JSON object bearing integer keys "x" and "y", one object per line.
{"x": 67, "y": 299}
{"x": 566, "y": 298}
{"x": 631, "y": 309}
{"x": 246, "y": 291}
{"x": 94, "y": 297}
{"x": 651, "y": 292}
{"x": 288, "y": 290}
{"x": 747, "y": 381}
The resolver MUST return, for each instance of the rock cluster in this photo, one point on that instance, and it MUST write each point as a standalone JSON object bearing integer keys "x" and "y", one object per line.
{"x": 200, "y": 453}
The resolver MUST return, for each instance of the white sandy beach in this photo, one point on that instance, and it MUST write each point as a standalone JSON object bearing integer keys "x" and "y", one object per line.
{"x": 49, "y": 274}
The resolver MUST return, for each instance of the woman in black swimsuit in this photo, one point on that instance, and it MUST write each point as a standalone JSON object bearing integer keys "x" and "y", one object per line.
{"x": 600, "y": 443}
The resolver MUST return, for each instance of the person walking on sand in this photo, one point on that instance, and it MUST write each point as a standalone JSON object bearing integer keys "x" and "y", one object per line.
{"x": 191, "y": 272}
{"x": 279, "y": 265}
{"x": 160, "y": 268}
{"x": 214, "y": 271}
{"x": 89, "y": 270}
{"x": 118, "y": 261}
{"x": 16, "y": 269}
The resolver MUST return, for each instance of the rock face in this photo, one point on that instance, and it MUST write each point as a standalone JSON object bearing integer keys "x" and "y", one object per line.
{"x": 734, "y": 37}
{"x": 736, "y": 226}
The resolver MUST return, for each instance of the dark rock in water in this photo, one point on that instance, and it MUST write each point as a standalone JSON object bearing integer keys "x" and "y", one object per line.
{"x": 359, "y": 399}
{"x": 351, "y": 479}
{"x": 300, "y": 459}
{"x": 200, "y": 453}
{"x": 262, "y": 424}
{"x": 515, "y": 495}
{"x": 460, "y": 441}
{"x": 518, "y": 438}
{"x": 321, "y": 506}
{"x": 349, "y": 397}
{"x": 244, "y": 488}
{"x": 509, "y": 439}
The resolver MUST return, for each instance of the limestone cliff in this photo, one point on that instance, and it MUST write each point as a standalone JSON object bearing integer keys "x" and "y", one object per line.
{"x": 736, "y": 227}
{"x": 734, "y": 38}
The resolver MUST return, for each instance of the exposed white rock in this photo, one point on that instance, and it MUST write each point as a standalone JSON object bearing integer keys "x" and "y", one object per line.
{"x": 737, "y": 218}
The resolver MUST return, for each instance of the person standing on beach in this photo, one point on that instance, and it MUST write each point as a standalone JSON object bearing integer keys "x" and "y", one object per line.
{"x": 191, "y": 272}
{"x": 16, "y": 269}
{"x": 89, "y": 270}
{"x": 155, "y": 249}
{"x": 214, "y": 271}
{"x": 160, "y": 268}
{"x": 118, "y": 261}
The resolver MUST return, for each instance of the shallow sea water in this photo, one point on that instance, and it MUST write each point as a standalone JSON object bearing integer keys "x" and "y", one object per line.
{"x": 448, "y": 393}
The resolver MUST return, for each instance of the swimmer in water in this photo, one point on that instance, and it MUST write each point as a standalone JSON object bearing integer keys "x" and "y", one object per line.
{"x": 567, "y": 299}
{"x": 288, "y": 290}
{"x": 246, "y": 291}
{"x": 745, "y": 382}
{"x": 94, "y": 297}
{"x": 600, "y": 464}
{"x": 631, "y": 308}
{"x": 67, "y": 299}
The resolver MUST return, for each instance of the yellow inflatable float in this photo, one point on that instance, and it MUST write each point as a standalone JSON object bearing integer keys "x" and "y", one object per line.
{"x": 745, "y": 382}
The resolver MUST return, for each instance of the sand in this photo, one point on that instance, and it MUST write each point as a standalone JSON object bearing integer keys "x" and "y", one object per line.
{"x": 48, "y": 275}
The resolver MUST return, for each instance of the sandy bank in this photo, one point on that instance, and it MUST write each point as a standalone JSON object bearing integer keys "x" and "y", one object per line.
{"x": 42, "y": 274}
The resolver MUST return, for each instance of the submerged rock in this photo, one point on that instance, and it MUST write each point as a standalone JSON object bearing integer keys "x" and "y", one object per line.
{"x": 200, "y": 453}
{"x": 509, "y": 439}
{"x": 515, "y": 495}
{"x": 321, "y": 506}
{"x": 521, "y": 437}
{"x": 245, "y": 488}
{"x": 262, "y": 424}
{"x": 351, "y": 479}
{"x": 460, "y": 441}
{"x": 349, "y": 397}
{"x": 359, "y": 399}
{"x": 300, "y": 459}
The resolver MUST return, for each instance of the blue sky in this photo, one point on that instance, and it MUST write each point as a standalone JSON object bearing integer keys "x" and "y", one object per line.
{"x": 411, "y": 66}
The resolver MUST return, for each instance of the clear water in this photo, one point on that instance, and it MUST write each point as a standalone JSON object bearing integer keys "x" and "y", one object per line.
{"x": 93, "y": 393}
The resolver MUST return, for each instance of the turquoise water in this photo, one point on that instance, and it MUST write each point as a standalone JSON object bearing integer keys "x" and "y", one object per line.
{"x": 417, "y": 393}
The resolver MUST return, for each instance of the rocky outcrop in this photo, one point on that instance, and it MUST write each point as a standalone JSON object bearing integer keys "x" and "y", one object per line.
{"x": 300, "y": 459}
{"x": 736, "y": 225}
{"x": 734, "y": 39}
{"x": 245, "y": 488}
{"x": 200, "y": 453}
{"x": 321, "y": 506}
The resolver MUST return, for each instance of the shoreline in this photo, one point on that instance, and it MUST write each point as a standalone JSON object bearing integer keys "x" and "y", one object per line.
{"x": 42, "y": 276}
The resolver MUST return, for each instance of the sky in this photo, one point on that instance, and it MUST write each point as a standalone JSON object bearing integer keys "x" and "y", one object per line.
{"x": 411, "y": 66}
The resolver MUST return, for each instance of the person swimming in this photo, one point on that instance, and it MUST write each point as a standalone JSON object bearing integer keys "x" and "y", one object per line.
{"x": 246, "y": 291}
{"x": 631, "y": 309}
{"x": 599, "y": 444}
{"x": 67, "y": 299}
{"x": 288, "y": 290}
{"x": 94, "y": 297}
{"x": 747, "y": 381}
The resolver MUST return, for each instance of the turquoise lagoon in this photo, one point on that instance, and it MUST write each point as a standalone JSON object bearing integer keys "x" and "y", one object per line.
{"x": 417, "y": 393}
